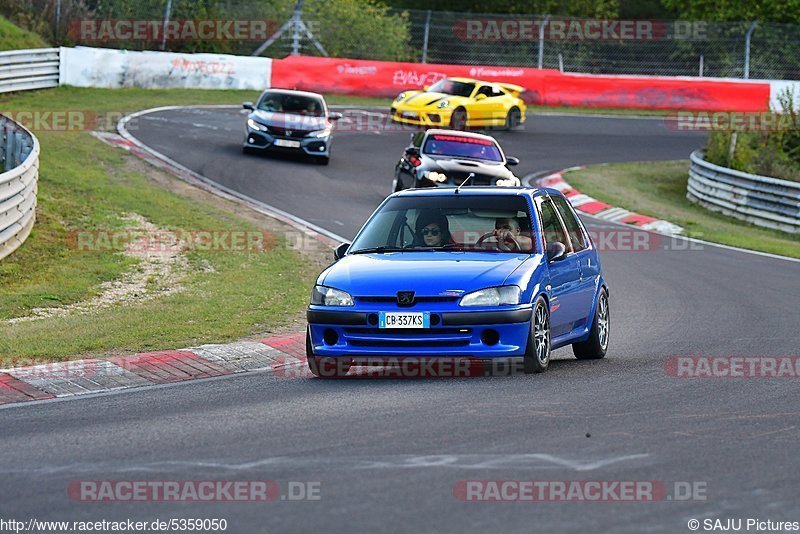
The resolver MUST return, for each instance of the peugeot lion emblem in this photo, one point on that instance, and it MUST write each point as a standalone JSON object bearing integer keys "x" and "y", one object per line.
{"x": 405, "y": 298}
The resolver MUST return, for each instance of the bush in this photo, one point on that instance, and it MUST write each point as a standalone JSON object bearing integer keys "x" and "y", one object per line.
{"x": 767, "y": 153}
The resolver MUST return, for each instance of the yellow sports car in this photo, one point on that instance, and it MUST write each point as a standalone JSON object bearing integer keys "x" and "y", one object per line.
{"x": 461, "y": 103}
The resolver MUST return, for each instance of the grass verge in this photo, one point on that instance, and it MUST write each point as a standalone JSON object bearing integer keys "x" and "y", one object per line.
{"x": 85, "y": 185}
{"x": 658, "y": 189}
{"x": 13, "y": 37}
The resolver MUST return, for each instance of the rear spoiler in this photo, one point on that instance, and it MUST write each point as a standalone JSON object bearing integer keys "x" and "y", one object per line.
{"x": 515, "y": 90}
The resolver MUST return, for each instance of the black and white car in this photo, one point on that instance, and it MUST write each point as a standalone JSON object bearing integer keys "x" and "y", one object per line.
{"x": 290, "y": 121}
{"x": 448, "y": 158}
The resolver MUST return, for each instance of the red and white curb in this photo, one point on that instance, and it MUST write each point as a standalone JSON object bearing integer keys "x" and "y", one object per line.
{"x": 81, "y": 377}
{"x": 592, "y": 206}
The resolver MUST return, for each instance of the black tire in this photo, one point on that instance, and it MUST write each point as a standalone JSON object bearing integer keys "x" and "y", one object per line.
{"x": 248, "y": 150}
{"x": 397, "y": 183}
{"x": 596, "y": 346}
{"x": 513, "y": 118}
{"x": 458, "y": 120}
{"x": 537, "y": 352}
{"x": 325, "y": 367}
{"x": 324, "y": 160}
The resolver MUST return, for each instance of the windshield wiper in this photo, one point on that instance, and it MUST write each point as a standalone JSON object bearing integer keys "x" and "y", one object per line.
{"x": 377, "y": 250}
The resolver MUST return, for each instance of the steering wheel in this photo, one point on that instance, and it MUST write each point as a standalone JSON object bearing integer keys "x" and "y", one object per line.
{"x": 510, "y": 241}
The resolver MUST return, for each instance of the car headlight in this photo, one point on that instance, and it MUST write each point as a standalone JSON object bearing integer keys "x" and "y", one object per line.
{"x": 256, "y": 126}
{"x": 434, "y": 176}
{"x": 507, "y": 182}
{"x": 492, "y": 296}
{"x": 328, "y": 296}
{"x": 443, "y": 104}
{"x": 320, "y": 133}
{"x": 400, "y": 97}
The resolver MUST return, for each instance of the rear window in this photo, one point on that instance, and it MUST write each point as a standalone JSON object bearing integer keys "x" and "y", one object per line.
{"x": 462, "y": 147}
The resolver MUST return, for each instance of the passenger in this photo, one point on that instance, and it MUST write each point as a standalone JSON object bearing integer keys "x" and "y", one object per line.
{"x": 509, "y": 234}
{"x": 432, "y": 230}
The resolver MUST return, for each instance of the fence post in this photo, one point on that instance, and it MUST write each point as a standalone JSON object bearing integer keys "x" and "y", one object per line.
{"x": 541, "y": 40}
{"x": 747, "y": 49}
{"x": 561, "y": 62}
{"x": 425, "y": 38}
{"x": 57, "y": 31}
{"x": 701, "y": 65}
{"x": 167, "y": 12}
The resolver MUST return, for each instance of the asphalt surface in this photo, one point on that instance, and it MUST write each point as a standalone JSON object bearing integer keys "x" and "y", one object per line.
{"x": 388, "y": 453}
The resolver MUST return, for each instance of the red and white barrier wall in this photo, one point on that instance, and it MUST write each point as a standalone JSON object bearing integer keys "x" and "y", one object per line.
{"x": 543, "y": 86}
{"x": 97, "y": 67}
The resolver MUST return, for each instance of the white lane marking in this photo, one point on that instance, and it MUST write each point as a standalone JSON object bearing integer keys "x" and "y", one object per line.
{"x": 219, "y": 189}
{"x": 451, "y": 461}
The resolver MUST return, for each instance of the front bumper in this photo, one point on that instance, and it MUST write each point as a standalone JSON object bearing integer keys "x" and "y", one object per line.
{"x": 421, "y": 117}
{"x": 475, "y": 334}
{"x": 312, "y": 146}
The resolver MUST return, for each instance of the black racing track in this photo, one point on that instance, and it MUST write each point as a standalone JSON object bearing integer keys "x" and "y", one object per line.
{"x": 388, "y": 453}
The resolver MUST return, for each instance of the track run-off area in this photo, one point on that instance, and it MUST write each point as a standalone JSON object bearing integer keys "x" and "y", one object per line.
{"x": 393, "y": 454}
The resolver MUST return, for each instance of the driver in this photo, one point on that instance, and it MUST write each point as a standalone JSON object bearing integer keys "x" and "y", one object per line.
{"x": 508, "y": 234}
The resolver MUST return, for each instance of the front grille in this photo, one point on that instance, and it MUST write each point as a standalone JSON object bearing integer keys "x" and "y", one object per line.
{"x": 408, "y": 337}
{"x": 284, "y": 132}
{"x": 393, "y": 299}
{"x": 408, "y": 343}
{"x": 411, "y": 331}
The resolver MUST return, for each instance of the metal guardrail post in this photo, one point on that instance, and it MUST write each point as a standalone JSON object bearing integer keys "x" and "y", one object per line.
{"x": 425, "y": 37}
{"x": 747, "y": 37}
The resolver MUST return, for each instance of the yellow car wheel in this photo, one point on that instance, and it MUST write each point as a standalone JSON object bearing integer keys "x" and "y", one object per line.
{"x": 513, "y": 118}
{"x": 458, "y": 120}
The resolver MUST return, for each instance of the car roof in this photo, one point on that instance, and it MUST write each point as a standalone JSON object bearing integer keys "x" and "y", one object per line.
{"x": 477, "y": 190}
{"x": 460, "y": 133}
{"x": 292, "y": 92}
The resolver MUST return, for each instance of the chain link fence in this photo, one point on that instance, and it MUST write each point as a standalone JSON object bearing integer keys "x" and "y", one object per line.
{"x": 342, "y": 29}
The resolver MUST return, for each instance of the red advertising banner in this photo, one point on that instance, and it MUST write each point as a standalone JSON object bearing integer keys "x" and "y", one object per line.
{"x": 543, "y": 86}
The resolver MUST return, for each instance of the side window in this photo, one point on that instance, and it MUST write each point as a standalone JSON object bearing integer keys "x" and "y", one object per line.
{"x": 496, "y": 91}
{"x": 571, "y": 222}
{"x": 551, "y": 227}
{"x": 485, "y": 90}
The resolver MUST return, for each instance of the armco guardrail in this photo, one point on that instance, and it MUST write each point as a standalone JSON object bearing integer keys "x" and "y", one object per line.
{"x": 761, "y": 200}
{"x": 21, "y": 70}
{"x": 19, "y": 161}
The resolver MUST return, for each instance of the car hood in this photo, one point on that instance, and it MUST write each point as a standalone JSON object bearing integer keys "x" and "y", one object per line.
{"x": 427, "y": 273}
{"x": 450, "y": 165}
{"x": 290, "y": 121}
{"x": 423, "y": 100}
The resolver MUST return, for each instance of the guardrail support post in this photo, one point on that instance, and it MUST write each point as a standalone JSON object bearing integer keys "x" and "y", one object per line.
{"x": 747, "y": 37}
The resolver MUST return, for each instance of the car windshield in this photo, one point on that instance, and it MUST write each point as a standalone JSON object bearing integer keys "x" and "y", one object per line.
{"x": 485, "y": 223}
{"x": 452, "y": 87}
{"x": 462, "y": 147}
{"x": 293, "y": 104}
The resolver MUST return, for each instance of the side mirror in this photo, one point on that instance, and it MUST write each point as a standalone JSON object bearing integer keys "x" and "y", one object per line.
{"x": 480, "y": 96}
{"x": 341, "y": 250}
{"x": 248, "y": 105}
{"x": 556, "y": 252}
{"x": 511, "y": 161}
{"x": 334, "y": 116}
{"x": 412, "y": 151}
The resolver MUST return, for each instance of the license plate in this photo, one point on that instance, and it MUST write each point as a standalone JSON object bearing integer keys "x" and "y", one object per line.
{"x": 287, "y": 143}
{"x": 404, "y": 320}
{"x": 409, "y": 115}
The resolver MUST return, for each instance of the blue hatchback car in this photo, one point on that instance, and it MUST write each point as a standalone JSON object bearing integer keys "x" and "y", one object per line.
{"x": 473, "y": 272}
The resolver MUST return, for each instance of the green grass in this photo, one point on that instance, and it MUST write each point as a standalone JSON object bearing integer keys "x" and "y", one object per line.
{"x": 15, "y": 38}
{"x": 86, "y": 185}
{"x": 658, "y": 189}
